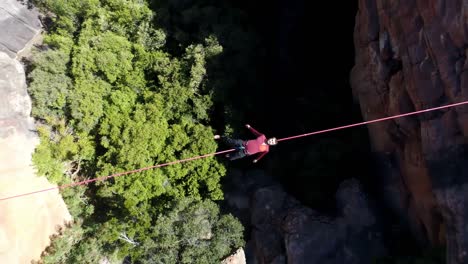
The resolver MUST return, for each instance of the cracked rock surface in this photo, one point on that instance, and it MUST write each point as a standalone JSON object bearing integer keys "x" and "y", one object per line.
{"x": 411, "y": 55}
{"x": 26, "y": 223}
{"x": 19, "y": 25}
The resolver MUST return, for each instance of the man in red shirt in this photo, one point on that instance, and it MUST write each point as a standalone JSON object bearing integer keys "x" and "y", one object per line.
{"x": 249, "y": 147}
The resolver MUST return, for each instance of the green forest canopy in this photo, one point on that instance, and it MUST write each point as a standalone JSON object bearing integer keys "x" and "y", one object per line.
{"x": 113, "y": 91}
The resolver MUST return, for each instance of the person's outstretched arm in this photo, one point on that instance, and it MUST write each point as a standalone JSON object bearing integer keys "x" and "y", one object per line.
{"x": 259, "y": 157}
{"x": 255, "y": 132}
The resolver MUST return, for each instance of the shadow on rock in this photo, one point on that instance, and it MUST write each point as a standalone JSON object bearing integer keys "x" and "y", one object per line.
{"x": 282, "y": 230}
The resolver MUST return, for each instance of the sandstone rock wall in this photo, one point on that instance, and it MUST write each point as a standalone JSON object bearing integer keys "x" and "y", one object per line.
{"x": 26, "y": 223}
{"x": 19, "y": 26}
{"x": 411, "y": 55}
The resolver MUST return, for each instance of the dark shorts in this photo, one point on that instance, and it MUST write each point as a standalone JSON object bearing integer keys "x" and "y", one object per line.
{"x": 238, "y": 144}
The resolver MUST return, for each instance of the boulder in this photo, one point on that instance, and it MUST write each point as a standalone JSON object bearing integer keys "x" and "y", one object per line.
{"x": 285, "y": 231}
{"x": 237, "y": 258}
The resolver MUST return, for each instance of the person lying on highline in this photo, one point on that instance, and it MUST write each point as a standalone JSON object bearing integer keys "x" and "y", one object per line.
{"x": 248, "y": 147}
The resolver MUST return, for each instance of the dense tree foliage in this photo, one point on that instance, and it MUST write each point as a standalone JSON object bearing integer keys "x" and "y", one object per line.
{"x": 112, "y": 95}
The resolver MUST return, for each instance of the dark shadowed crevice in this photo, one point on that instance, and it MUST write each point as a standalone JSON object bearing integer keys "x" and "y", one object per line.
{"x": 308, "y": 58}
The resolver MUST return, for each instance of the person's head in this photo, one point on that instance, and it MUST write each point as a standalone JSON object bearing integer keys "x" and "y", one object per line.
{"x": 272, "y": 141}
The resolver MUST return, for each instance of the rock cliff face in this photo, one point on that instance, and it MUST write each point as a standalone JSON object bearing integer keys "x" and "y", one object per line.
{"x": 19, "y": 25}
{"x": 26, "y": 222}
{"x": 285, "y": 231}
{"x": 411, "y": 55}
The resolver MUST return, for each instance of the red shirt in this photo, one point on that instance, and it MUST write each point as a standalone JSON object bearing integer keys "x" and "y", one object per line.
{"x": 257, "y": 145}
